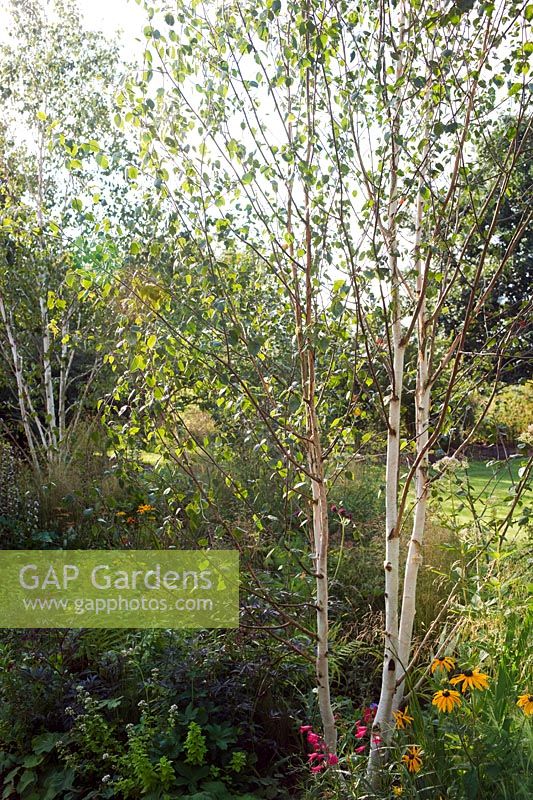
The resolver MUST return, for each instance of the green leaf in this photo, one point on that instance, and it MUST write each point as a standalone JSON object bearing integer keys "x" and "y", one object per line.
{"x": 46, "y": 742}
{"x": 11, "y": 775}
{"x": 151, "y": 341}
{"x": 28, "y": 777}
{"x": 102, "y": 160}
{"x": 138, "y": 363}
{"x": 57, "y": 784}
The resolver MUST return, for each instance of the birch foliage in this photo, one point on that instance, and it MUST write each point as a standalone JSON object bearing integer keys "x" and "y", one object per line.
{"x": 336, "y": 144}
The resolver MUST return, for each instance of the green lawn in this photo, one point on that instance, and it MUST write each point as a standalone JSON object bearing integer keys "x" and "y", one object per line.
{"x": 486, "y": 488}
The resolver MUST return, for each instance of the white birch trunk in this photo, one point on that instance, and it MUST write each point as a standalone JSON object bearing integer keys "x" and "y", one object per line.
{"x": 21, "y": 389}
{"x": 315, "y": 454}
{"x": 422, "y": 411}
{"x": 48, "y": 382}
{"x": 382, "y": 727}
{"x": 64, "y": 371}
{"x": 414, "y": 555}
{"x": 51, "y": 422}
{"x": 321, "y": 542}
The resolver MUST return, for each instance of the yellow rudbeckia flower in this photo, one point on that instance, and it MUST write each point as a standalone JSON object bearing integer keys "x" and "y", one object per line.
{"x": 471, "y": 679}
{"x": 145, "y": 508}
{"x": 446, "y": 700}
{"x": 525, "y": 702}
{"x": 402, "y": 719}
{"x": 446, "y": 663}
{"x": 413, "y": 758}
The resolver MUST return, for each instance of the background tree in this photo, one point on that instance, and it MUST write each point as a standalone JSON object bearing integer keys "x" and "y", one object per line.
{"x": 58, "y": 137}
{"x": 510, "y": 298}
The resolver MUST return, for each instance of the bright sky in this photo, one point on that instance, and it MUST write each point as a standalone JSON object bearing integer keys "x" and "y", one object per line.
{"x": 110, "y": 15}
{"x": 107, "y": 16}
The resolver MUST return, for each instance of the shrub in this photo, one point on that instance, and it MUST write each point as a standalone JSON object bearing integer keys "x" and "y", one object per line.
{"x": 156, "y": 711}
{"x": 19, "y": 506}
{"x": 509, "y": 415}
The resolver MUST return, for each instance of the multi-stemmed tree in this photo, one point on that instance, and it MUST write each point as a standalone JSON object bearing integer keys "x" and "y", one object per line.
{"x": 336, "y": 146}
{"x": 57, "y": 139}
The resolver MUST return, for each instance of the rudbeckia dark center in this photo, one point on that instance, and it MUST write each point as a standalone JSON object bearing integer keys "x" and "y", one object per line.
{"x": 530, "y": 698}
{"x": 446, "y": 693}
{"x": 468, "y": 673}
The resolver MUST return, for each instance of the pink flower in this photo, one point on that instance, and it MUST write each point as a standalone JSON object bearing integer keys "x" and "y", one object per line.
{"x": 332, "y": 759}
{"x": 313, "y": 739}
{"x": 305, "y": 728}
{"x": 376, "y": 739}
{"x": 360, "y": 730}
{"x": 316, "y": 756}
{"x": 318, "y": 768}
{"x": 360, "y": 749}
{"x": 369, "y": 713}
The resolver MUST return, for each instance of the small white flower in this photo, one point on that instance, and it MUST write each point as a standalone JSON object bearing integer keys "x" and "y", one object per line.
{"x": 450, "y": 464}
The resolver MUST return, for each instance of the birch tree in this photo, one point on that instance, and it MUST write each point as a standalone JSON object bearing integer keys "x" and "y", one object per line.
{"x": 227, "y": 109}
{"x": 441, "y": 77}
{"x": 336, "y": 145}
{"x": 56, "y": 106}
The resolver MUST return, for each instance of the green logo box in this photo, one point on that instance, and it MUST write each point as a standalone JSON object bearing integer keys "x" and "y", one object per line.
{"x": 119, "y": 589}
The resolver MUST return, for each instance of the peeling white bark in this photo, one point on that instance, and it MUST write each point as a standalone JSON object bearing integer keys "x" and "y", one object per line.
{"x": 16, "y": 361}
{"x": 422, "y": 412}
{"x": 48, "y": 380}
{"x": 321, "y": 543}
{"x": 382, "y": 727}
